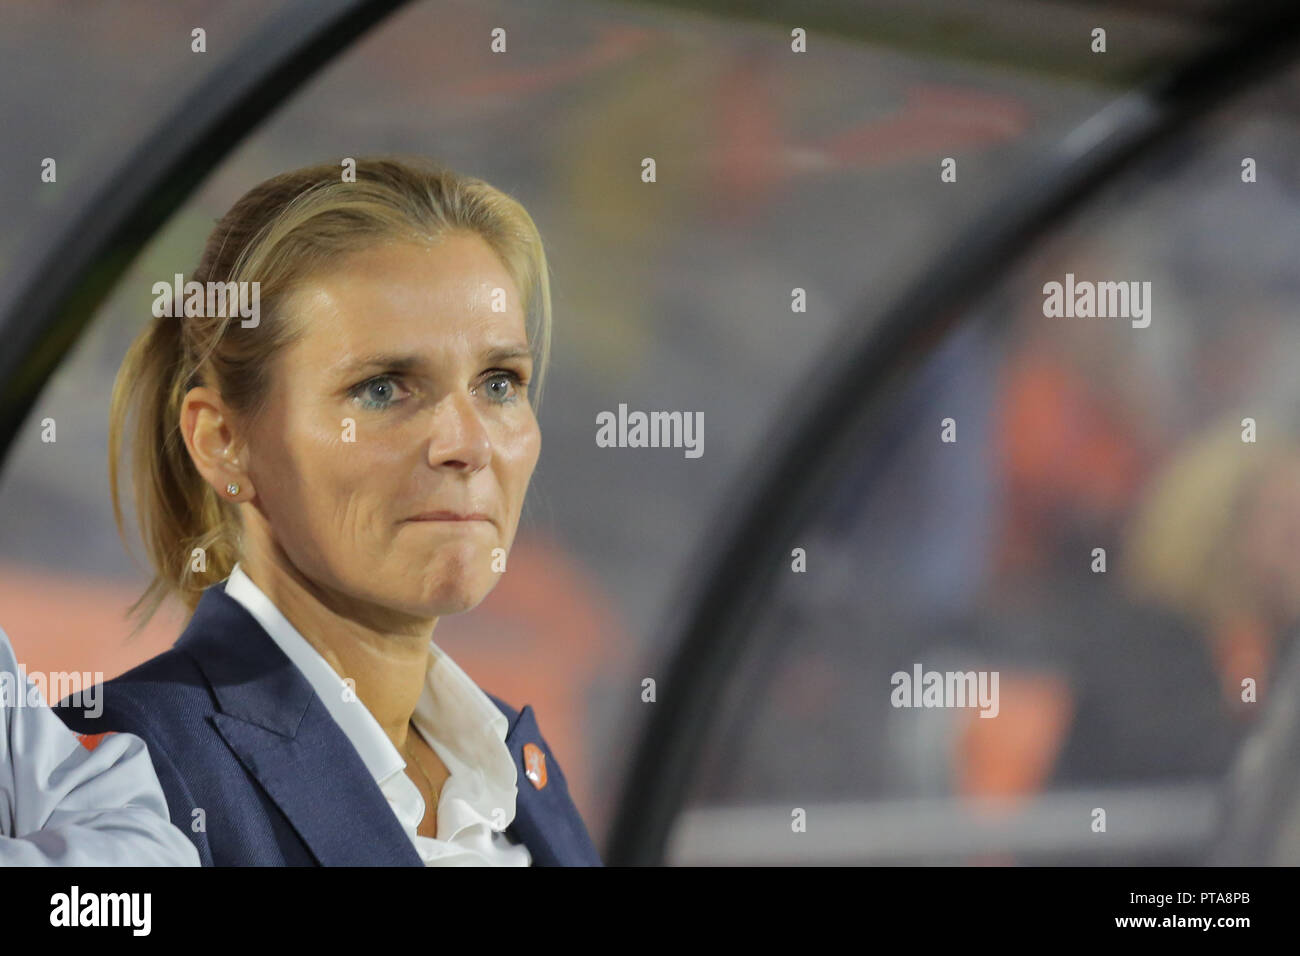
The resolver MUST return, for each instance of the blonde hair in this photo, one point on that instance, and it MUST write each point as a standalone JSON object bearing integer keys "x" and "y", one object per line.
{"x": 1179, "y": 548}
{"x": 277, "y": 234}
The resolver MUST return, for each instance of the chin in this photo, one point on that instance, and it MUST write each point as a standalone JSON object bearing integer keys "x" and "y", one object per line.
{"x": 451, "y": 595}
{"x": 448, "y": 581}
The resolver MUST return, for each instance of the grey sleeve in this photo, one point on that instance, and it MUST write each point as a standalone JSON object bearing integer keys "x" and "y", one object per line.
{"x": 65, "y": 803}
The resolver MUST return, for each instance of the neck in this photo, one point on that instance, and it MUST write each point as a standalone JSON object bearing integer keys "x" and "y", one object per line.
{"x": 384, "y": 653}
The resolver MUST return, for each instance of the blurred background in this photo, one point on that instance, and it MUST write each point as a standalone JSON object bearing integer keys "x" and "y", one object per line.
{"x": 819, "y": 171}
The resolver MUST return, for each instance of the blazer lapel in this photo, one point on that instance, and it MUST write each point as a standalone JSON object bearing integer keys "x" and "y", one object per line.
{"x": 545, "y": 819}
{"x": 285, "y": 738}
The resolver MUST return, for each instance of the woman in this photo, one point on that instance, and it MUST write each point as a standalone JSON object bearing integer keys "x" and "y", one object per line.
{"x": 321, "y": 478}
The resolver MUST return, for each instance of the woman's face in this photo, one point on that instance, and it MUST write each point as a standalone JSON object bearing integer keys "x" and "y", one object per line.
{"x": 404, "y": 396}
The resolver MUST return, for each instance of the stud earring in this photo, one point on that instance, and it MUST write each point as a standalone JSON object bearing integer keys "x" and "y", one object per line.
{"x": 232, "y": 489}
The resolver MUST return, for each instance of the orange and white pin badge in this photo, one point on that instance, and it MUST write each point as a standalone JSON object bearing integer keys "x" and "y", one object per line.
{"x": 535, "y": 765}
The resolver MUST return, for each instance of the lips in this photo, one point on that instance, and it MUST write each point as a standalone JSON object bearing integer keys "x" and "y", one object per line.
{"x": 449, "y": 516}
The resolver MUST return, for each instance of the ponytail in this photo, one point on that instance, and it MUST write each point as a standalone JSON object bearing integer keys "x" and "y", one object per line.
{"x": 181, "y": 513}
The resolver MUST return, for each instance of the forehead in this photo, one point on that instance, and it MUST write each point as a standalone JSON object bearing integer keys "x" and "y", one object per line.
{"x": 410, "y": 297}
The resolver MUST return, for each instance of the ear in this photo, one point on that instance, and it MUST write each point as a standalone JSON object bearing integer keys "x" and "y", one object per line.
{"x": 215, "y": 443}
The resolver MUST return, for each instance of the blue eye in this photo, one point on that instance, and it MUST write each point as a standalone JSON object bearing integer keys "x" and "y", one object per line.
{"x": 370, "y": 395}
{"x": 380, "y": 392}
{"x": 511, "y": 381}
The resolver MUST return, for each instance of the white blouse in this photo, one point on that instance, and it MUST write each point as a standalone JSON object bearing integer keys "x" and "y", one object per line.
{"x": 460, "y": 722}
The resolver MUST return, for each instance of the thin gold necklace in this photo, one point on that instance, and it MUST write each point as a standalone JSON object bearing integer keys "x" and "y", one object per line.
{"x": 423, "y": 773}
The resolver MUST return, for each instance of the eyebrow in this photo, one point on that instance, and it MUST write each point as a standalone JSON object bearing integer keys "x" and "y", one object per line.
{"x": 405, "y": 362}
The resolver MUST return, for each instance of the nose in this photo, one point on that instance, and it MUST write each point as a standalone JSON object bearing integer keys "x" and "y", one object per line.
{"x": 459, "y": 439}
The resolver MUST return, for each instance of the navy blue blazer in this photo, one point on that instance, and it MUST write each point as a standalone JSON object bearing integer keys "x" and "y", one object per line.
{"x": 235, "y": 730}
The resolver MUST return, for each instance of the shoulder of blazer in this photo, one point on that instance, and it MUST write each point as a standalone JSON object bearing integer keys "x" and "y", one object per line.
{"x": 251, "y": 750}
{"x": 134, "y": 701}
